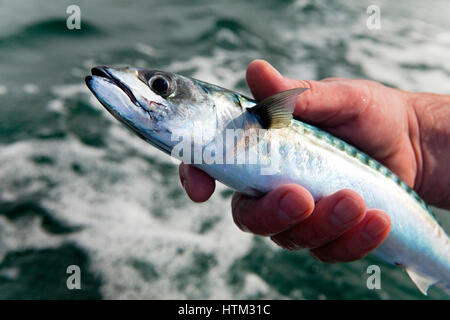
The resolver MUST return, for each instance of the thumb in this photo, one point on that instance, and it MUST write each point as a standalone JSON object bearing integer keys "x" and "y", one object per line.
{"x": 328, "y": 102}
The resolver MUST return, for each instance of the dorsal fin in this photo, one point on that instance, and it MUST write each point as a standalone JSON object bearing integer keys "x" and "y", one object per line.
{"x": 276, "y": 111}
{"x": 422, "y": 282}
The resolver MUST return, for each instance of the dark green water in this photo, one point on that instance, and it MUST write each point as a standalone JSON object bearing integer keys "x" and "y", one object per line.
{"x": 78, "y": 189}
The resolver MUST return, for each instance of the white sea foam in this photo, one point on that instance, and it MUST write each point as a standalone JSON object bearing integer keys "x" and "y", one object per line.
{"x": 146, "y": 49}
{"x": 222, "y": 68}
{"x": 117, "y": 204}
{"x": 56, "y": 105}
{"x": 69, "y": 90}
{"x": 31, "y": 88}
{"x": 3, "y": 90}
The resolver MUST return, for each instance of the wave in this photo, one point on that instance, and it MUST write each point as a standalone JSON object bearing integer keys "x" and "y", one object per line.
{"x": 47, "y": 29}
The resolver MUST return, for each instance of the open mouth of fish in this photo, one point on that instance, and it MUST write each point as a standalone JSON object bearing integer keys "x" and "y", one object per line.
{"x": 118, "y": 98}
{"x": 103, "y": 73}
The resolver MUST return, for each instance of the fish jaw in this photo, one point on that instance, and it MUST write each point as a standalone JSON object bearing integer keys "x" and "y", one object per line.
{"x": 187, "y": 114}
{"x": 124, "y": 96}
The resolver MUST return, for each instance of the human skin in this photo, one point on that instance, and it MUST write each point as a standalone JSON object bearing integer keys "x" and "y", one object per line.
{"x": 408, "y": 132}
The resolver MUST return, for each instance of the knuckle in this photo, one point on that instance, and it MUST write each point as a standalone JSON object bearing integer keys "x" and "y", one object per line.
{"x": 306, "y": 97}
{"x": 351, "y": 253}
{"x": 321, "y": 257}
{"x": 306, "y": 84}
{"x": 330, "y": 79}
{"x": 284, "y": 242}
{"x": 302, "y": 239}
{"x": 345, "y": 193}
{"x": 315, "y": 237}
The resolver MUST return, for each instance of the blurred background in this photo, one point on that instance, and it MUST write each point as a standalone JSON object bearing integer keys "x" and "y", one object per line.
{"x": 76, "y": 188}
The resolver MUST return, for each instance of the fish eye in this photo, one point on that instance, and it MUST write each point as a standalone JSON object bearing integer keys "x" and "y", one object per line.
{"x": 160, "y": 85}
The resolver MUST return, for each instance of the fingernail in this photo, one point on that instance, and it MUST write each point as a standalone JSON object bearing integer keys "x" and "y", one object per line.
{"x": 345, "y": 211}
{"x": 185, "y": 184}
{"x": 375, "y": 227}
{"x": 234, "y": 201}
{"x": 284, "y": 242}
{"x": 289, "y": 207}
{"x": 183, "y": 176}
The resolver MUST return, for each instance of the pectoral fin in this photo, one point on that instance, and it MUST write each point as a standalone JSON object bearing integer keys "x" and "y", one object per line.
{"x": 422, "y": 282}
{"x": 276, "y": 111}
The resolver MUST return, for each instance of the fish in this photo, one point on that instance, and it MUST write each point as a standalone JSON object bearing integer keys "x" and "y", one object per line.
{"x": 254, "y": 147}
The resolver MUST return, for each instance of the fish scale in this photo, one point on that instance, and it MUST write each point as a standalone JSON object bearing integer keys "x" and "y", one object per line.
{"x": 363, "y": 158}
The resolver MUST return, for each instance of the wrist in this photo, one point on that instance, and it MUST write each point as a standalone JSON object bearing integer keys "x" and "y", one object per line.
{"x": 430, "y": 114}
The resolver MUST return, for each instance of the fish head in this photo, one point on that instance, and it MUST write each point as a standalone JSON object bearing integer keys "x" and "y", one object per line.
{"x": 158, "y": 106}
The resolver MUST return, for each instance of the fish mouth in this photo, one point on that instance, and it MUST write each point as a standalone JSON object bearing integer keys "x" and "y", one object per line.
{"x": 102, "y": 72}
{"x": 100, "y": 83}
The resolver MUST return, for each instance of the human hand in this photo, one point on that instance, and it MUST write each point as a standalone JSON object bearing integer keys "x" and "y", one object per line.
{"x": 378, "y": 120}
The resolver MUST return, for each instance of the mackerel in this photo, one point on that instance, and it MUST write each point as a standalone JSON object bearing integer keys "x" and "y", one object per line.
{"x": 161, "y": 106}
